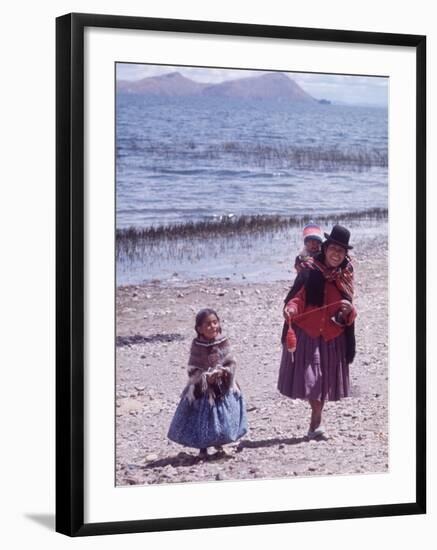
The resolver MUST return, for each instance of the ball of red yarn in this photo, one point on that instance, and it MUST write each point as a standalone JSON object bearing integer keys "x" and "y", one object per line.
{"x": 291, "y": 340}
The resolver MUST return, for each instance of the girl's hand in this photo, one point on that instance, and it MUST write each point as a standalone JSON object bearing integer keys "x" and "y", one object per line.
{"x": 212, "y": 377}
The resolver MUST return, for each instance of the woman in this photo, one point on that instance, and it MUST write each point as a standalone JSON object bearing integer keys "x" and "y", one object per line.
{"x": 319, "y": 308}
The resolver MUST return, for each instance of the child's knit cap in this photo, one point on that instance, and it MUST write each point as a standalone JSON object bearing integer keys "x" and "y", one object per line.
{"x": 312, "y": 231}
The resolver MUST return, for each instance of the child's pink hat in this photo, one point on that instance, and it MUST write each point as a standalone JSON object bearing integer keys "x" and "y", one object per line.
{"x": 312, "y": 231}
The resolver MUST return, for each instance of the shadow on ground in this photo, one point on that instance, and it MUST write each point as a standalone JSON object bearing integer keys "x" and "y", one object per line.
{"x": 185, "y": 459}
{"x": 248, "y": 444}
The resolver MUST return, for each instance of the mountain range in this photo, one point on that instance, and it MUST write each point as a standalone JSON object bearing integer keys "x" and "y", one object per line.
{"x": 266, "y": 86}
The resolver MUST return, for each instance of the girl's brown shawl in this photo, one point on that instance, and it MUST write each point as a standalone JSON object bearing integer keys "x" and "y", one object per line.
{"x": 206, "y": 358}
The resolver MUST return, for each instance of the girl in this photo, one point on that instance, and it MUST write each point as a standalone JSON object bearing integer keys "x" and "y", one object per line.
{"x": 212, "y": 410}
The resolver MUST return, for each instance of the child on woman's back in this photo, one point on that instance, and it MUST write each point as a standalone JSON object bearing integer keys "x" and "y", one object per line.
{"x": 211, "y": 412}
{"x": 312, "y": 244}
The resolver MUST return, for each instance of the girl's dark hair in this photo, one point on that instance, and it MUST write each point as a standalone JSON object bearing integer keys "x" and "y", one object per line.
{"x": 202, "y": 315}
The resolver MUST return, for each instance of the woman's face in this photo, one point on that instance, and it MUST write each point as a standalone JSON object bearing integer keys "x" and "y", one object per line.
{"x": 209, "y": 327}
{"x": 334, "y": 255}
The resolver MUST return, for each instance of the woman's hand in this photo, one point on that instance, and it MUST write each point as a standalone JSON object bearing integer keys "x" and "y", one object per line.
{"x": 345, "y": 314}
{"x": 289, "y": 313}
{"x": 345, "y": 307}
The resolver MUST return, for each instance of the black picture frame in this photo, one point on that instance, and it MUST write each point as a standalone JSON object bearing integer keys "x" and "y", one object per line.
{"x": 70, "y": 272}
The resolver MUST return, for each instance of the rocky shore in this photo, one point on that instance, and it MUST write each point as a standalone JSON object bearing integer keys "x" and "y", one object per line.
{"x": 154, "y": 332}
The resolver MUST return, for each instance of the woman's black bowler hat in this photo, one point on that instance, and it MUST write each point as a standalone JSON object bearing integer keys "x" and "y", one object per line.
{"x": 339, "y": 235}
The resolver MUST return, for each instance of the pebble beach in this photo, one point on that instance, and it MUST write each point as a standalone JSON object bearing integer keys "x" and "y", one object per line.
{"x": 154, "y": 333}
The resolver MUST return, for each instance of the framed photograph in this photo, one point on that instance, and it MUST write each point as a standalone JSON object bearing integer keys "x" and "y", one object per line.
{"x": 240, "y": 274}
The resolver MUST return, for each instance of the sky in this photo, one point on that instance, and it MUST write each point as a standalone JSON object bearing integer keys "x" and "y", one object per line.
{"x": 359, "y": 90}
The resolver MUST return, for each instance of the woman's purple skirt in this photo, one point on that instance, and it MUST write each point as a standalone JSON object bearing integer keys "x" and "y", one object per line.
{"x": 316, "y": 370}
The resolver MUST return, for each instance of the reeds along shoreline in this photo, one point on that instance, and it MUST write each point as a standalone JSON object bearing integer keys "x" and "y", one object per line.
{"x": 194, "y": 240}
{"x": 238, "y": 225}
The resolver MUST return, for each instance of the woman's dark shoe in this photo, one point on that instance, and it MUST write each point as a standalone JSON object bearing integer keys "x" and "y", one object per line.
{"x": 318, "y": 433}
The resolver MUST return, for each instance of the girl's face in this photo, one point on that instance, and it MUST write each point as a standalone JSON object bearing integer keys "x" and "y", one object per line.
{"x": 210, "y": 327}
{"x": 334, "y": 255}
{"x": 312, "y": 245}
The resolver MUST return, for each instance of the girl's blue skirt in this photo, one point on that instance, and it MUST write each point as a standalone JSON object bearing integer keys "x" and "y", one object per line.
{"x": 199, "y": 424}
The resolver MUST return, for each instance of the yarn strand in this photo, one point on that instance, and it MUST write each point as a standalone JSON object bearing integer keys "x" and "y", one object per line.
{"x": 291, "y": 335}
{"x": 316, "y": 309}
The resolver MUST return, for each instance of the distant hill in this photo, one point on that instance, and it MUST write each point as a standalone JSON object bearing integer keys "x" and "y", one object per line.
{"x": 266, "y": 86}
{"x": 171, "y": 85}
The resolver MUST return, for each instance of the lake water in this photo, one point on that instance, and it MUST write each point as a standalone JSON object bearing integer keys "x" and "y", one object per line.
{"x": 192, "y": 159}
{"x": 201, "y": 159}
